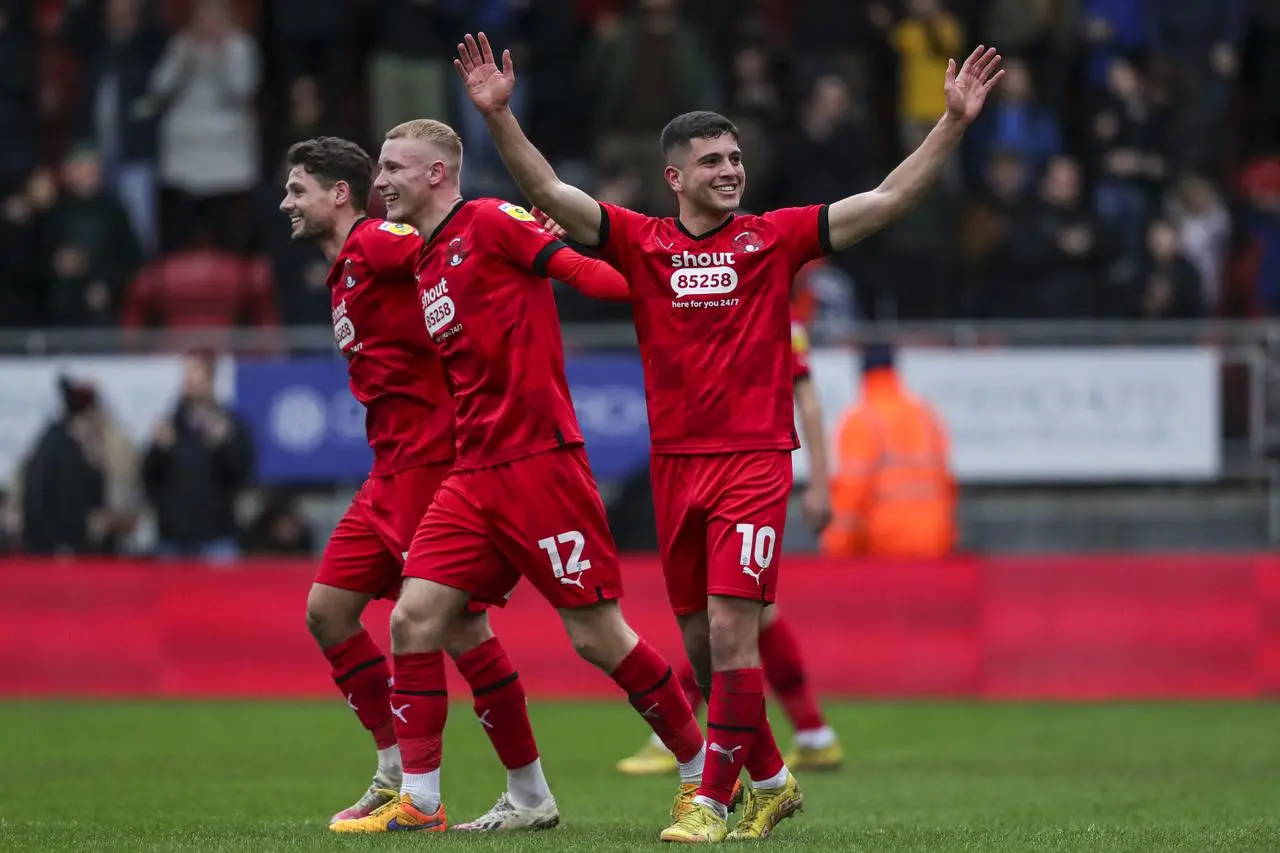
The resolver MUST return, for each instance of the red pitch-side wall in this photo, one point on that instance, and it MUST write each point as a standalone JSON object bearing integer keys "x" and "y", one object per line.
{"x": 1063, "y": 628}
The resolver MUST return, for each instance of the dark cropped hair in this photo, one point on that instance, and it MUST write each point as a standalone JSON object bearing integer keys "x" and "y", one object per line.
{"x": 686, "y": 127}
{"x": 330, "y": 159}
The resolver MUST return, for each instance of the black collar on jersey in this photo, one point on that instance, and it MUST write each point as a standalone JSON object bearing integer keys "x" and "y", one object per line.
{"x": 706, "y": 234}
{"x": 443, "y": 222}
{"x": 354, "y": 225}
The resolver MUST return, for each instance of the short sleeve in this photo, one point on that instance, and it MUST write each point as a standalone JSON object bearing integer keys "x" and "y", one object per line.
{"x": 392, "y": 248}
{"x": 805, "y": 231}
{"x": 520, "y": 238}
{"x": 618, "y": 227}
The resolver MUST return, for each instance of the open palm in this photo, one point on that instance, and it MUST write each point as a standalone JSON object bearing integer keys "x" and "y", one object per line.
{"x": 967, "y": 90}
{"x": 488, "y": 86}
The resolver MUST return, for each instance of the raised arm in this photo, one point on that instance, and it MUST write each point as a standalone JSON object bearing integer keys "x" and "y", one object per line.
{"x": 490, "y": 90}
{"x": 858, "y": 216}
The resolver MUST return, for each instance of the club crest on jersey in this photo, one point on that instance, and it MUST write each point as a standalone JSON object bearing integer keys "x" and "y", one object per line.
{"x": 748, "y": 241}
{"x": 457, "y": 252}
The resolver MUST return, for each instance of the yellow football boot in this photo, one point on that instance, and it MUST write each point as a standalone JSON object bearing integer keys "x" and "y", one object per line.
{"x": 826, "y": 758}
{"x": 399, "y": 815}
{"x": 653, "y": 759}
{"x": 765, "y": 809}
{"x": 688, "y": 790}
{"x": 698, "y": 825}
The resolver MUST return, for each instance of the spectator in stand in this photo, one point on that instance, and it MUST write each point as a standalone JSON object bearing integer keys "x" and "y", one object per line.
{"x": 121, "y": 42}
{"x": 1258, "y": 284}
{"x": 1061, "y": 248}
{"x": 1017, "y": 121}
{"x": 921, "y": 249}
{"x": 24, "y": 284}
{"x": 1204, "y": 232}
{"x": 1043, "y": 31}
{"x": 410, "y": 69}
{"x": 926, "y": 39}
{"x": 311, "y": 39}
{"x": 205, "y": 88}
{"x": 79, "y": 483}
{"x": 1114, "y": 28}
{"x": 640, "y": 70}
{"x": 1166, "y": 286}
{"x": 19, "y": 126}
{"x": 994, "y": 282}
{"x": 94, "y": 252}
{"x": 505, "y": 22}
{"x": 1129, "y": 138}
{"x": 1200, "y": 41}
{"x": 199, "y": 462}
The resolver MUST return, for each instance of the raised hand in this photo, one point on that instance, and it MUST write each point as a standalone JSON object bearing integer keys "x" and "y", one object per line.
{"x": 967, "y": 91}
{"x": 488, "y": 86}
{"x": 548, "y": 224}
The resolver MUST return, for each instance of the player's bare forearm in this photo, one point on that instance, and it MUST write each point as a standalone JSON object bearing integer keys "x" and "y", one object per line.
{"x": 859, "y": 216}
{"x": 575, "y": 211}
{"x": 815, "y": 437}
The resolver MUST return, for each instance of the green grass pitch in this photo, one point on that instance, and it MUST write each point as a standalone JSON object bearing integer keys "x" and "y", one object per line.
{"x": 962, "y": 777}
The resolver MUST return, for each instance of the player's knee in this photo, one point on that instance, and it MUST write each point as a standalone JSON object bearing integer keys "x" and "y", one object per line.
{"x": 734, "y": 633}
{"x": 332, "y": 617}
{"x": 416, "y": 630}
{"x": 600, "y": 635}
{"x": 466, "y": 634}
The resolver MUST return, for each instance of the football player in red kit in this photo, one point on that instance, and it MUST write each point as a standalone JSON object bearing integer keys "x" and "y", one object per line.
{"x": 521, "y": 500}
{"x": 396, "y": 374}
{"x": 710, "y": 293}
{"x": 816, "y": 744}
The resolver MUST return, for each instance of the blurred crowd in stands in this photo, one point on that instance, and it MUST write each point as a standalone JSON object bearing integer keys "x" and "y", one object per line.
{"x": 1128, "y": 167}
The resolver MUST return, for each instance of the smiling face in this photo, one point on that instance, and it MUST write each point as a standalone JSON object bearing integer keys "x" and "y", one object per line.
{"x": 709, "y": 174}
{"x": 405, "y": 176}
{"x": 312, "y": 209}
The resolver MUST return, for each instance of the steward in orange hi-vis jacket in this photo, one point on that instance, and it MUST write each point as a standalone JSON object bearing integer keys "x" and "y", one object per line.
{"x": 892, "y": 494}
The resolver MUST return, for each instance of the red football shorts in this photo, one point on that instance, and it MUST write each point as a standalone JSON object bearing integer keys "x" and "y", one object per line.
{"x": 367, "y": 550}
{"x": 720, "y": 519}
{"x": 540, "y": 518}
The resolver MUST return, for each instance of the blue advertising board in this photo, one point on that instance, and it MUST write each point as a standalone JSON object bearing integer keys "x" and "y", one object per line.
{"x": 309, "y": 429}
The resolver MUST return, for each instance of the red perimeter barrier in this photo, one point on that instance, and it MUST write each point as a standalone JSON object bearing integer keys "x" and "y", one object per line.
{"x": 1086, "y": 628}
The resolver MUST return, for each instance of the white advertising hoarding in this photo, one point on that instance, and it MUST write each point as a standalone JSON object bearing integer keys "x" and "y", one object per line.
{"x": 136, "y": 390}
{"x": 1056, "y": 414}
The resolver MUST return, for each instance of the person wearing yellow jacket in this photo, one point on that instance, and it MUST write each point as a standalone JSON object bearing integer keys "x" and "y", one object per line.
{"x": 893, "y": 494}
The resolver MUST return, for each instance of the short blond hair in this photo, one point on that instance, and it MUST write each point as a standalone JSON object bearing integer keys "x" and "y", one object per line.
{"x": 435, "y": 132}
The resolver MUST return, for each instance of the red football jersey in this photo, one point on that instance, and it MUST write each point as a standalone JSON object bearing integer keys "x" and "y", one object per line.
{"x": 489, "y": 306}
{"x": 713, "y": 320}
{"x": 799, "y": 351}
{"x": 395, "y": 371}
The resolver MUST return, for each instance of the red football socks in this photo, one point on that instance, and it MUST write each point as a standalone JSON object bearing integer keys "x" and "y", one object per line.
{"x": 656, "y": 695}
{"x": 734, "y": 714}
{"x": 689, "y": 684}
{"x": 500, "y": 703}
{"x": 764, "y": 761}
{"x": 360, "y": 671}
{"x": 420, "y": 706}
{"x": 784, "y": 668}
